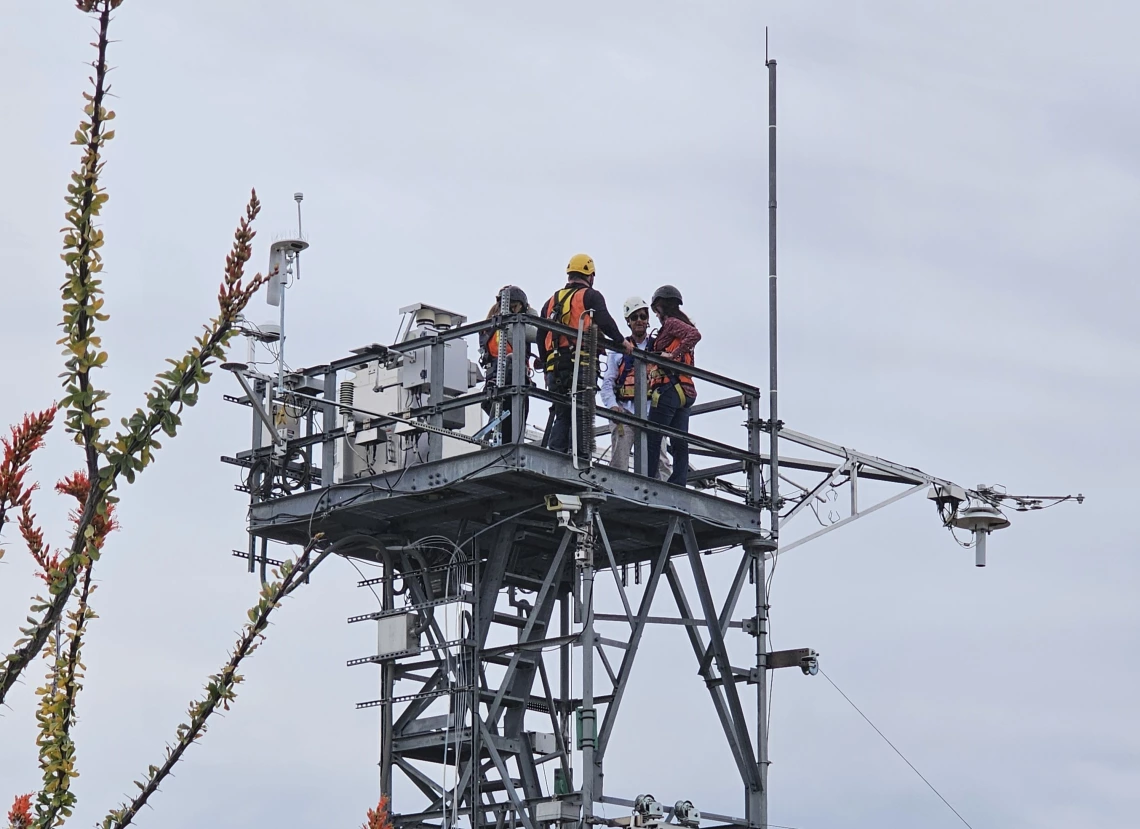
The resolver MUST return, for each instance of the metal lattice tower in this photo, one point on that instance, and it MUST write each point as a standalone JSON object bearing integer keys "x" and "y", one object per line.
{"x": 525, "y": 574}
{"x": 491, "y": 547}
{"x": 490, "y": 560}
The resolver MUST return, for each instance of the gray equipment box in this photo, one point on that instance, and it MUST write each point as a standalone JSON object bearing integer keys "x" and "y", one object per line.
{"x": 556, "y": 811}
{"x": 397, "y": 635}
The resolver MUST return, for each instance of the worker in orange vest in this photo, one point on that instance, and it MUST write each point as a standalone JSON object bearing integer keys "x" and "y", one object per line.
{"x": 557, "y": 352}
{"x": 491, "y": 341}
{"x": 671, "y": 391}
{"x": 619, "y": 388}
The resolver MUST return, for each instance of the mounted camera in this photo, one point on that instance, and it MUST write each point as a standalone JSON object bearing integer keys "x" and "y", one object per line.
{"x": 565, "y": 506}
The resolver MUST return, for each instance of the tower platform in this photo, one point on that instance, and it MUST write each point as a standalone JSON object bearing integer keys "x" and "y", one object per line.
{"x": 496, "y": 663}
{"x": 461, "y": 496}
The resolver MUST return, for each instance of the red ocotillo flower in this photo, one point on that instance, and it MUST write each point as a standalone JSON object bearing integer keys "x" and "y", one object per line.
{"x": 20, "y": 815}
{"x": 379, "y": 817}
{"x": 25, "y": 439}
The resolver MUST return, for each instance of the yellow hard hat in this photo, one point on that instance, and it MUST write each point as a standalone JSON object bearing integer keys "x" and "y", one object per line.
{"x": 581, "y": 263}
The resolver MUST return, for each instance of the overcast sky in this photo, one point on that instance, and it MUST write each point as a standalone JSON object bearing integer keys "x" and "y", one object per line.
{"x": 958, "y": 204}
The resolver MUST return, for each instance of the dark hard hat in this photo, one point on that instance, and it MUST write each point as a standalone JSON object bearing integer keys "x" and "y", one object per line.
{"x": 515, "y": 294}
{"x": 666, "y": 292}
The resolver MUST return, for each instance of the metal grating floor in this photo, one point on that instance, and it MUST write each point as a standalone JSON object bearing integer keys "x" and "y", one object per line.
{"x": 460, "y": 496}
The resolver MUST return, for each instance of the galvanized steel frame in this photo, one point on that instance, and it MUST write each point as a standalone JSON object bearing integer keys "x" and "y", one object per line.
{"x": 485, "y": 788}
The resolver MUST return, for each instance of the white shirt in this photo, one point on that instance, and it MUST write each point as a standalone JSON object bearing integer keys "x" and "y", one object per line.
{"x": 613, "y": 365}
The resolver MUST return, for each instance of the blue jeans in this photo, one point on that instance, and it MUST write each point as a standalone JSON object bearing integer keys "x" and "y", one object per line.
{"x": 560, "y": 428}
{"x": 558, "y": 436}
{"x": 668, "y": 411}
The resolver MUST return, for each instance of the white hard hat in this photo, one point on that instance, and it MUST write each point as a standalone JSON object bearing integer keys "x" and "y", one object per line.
{"x": 634, "y": 303}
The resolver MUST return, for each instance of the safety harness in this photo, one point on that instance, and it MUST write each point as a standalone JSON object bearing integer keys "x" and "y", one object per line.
{"x": 661, "y": 376}
{"x": 567, "y": 307}
{"x": 625, "y": 383}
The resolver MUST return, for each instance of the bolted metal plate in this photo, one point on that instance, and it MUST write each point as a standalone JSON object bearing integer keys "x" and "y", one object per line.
{"x": 477, "y": 490}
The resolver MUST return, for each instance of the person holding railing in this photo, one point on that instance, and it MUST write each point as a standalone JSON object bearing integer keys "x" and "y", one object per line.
{"x": 576, "y": 303}
{"x": 494, "y": 340}
{"x": 619, "y": 384}
{"x": 671, "y": 391}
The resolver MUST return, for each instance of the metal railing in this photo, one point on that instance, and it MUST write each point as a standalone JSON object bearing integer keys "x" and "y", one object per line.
{"x": 315, "y": 389}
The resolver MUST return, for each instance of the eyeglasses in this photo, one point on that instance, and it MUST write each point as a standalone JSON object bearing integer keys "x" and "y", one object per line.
{"x": 640, "y": 315}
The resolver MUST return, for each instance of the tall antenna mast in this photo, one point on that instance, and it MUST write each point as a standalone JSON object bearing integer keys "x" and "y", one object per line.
{"x": 774, "y": 473}
{"x": 773, "y": 421}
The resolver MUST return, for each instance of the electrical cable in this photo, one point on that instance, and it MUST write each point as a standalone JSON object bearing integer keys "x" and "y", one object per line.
{"x": 362, "y": 578}
{"x": 502, "y": 521}
{"x": 892, "y": 745}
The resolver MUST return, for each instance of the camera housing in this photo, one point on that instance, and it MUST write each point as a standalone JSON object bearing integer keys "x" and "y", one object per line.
{"x": 563, "y": 503}
{"x": 564, "y": 506}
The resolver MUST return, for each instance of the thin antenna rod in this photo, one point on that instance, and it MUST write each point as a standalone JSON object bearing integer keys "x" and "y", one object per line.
{"x": 773, "y": 422}
{"x": 774, "y": 429}
{"x": 298, "y": 197}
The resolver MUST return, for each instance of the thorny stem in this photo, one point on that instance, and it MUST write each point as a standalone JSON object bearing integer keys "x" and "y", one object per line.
{"x": 84, "y": 322}
{"x": 15, "y": 664}
{"x": 38, "y": 636}
{"x": 232, "y": 299}
{"x": 49, "y": 807}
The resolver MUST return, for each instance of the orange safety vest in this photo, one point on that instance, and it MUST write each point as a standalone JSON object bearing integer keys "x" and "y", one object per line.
{"x": 660, "y": 376}
{"x": 625, "y": 384}
{"x": 567, "y": 306}
{"x": 493, "y": 344}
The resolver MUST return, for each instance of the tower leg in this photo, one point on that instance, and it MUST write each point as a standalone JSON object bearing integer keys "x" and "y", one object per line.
{"x": 387, "y": 684}
{"x": 757, "y": 800}
{"x": 589, "y": 728}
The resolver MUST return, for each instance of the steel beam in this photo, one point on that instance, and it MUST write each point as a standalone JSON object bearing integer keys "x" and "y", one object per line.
{"x": 613, "y": 567}
{"x": 421, "y": 781}
{"x": 756, "y": 802}
{"x": 525, "y": 660}
{"x": 799, "y": 542}
{"x": 435, "y": 398}
{"x": 716, "y": 691}
{"x": 544, "y": 599}
{"x": 491, "y": 580}
{"x": 362, "y": 503}
{"x": 907, "y": 474}
{"x": 637, "y": 628}
{"x": 508, "y": 783}
{"x": 729, "y": 606}
{"x": 328, "y": 426}
{"x": 720, "y": 656}
{"x": 660, "y": 620}
{"x": 809, "y": 495}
